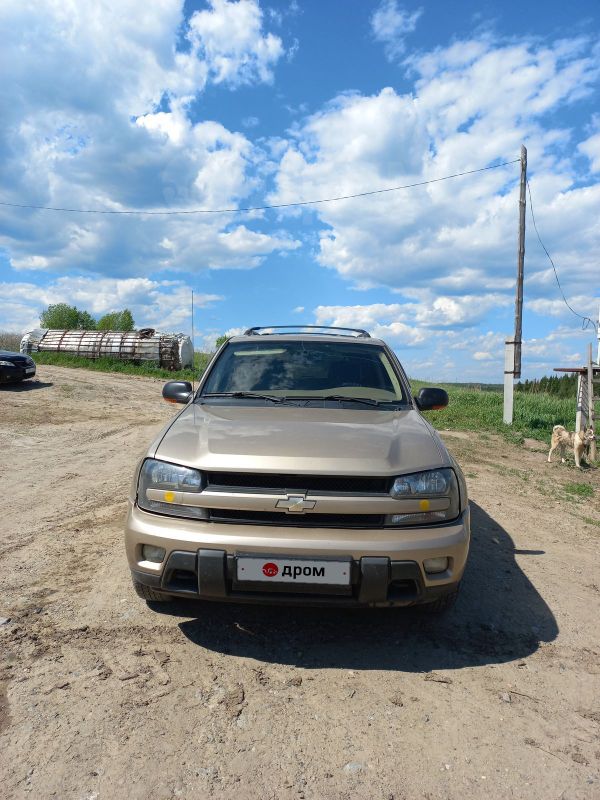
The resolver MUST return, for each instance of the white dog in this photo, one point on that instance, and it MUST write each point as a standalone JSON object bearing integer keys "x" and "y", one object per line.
{"x": 561, "y": 439}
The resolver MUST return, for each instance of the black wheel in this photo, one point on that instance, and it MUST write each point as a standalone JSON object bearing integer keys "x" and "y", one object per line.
{"x": 148, "y": 593}
{"x": 441, "y": 604}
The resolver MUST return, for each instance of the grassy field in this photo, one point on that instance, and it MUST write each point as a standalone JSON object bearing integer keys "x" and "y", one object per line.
{"x": 127, "y": 367}
{"x": 534, "y": 414}
{"x": 469, "y": 409}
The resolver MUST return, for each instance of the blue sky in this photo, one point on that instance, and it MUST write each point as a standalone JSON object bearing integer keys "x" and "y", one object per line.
{"x": 235, "y": 103}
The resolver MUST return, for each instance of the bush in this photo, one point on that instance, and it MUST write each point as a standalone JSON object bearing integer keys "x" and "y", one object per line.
{"x": 117, "y": 321}
{"x": 64, "y": 317}
{"x": 10, "y": 341}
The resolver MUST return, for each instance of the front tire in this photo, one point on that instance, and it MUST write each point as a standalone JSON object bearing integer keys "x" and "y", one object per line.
{"x": 443, "y": 603}
{"x": 147, "y": 593}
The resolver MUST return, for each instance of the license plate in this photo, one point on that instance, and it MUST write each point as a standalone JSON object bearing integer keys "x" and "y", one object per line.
{"x": 30, "y": 370}
{"x": 292, "y": 570}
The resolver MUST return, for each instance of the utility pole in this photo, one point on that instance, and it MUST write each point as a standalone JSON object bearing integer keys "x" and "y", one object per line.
{"x": 520, "y": 263}
{"x": 512, "y": 353}
{"x": 193, "y": 346}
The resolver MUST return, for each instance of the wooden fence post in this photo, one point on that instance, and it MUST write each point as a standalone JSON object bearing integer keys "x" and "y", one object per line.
{"x": 591, "y": 401}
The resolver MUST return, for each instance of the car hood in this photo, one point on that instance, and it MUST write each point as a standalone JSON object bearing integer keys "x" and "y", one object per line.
{"x": 301, "y": 440}
{"x": 16, "y": 358}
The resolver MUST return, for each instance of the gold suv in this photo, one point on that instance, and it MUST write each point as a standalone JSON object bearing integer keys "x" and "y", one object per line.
{"x": 300, "y": 471}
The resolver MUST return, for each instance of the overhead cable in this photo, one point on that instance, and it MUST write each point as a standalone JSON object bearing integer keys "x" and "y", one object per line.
{"x": 256, "y": 208}
{"x": 587, "y": 321}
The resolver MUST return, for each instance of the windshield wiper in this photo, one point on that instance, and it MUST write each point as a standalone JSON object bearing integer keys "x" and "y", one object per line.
{"x": 368, "y": 401}
{"x": 243, "y": 395}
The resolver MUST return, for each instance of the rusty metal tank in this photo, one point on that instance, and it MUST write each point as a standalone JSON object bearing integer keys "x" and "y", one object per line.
{"x": 171, "y": 351}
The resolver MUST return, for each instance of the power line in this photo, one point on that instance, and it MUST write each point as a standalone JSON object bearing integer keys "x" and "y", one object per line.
{"x": 259, "y": 208}
{"x": 587, "y": 321}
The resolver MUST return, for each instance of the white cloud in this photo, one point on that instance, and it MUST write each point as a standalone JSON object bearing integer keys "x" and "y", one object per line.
{"x": 459, "y": 311}
{"x": 482, "y": 356}
{"x": 591, "y": 148}
{"x": 586, "y": 305}
{"x": 451, "y": 244}
{"x": 96, "y": 114}
{"x": 381, "y": 320}
{"x": 390, "y": 24}
{"x": 412, "y": 324}
{"x": 556, "y": 349}
{"x": 357, "y": 316}
{"x": 228, "y": 37}
{"x": 207, "y": 340}
{"x": 164, "y": 304}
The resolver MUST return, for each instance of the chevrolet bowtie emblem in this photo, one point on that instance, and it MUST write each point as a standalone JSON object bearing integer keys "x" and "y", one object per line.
{"x": 296, "y": 504}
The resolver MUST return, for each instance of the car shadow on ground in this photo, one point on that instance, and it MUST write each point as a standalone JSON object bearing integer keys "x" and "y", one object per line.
{"x": 25, "y": 386}
{"x": 499, "y": 616}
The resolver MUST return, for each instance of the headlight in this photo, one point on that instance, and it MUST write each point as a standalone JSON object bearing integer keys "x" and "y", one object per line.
{"x": 434, "y": 482}
{"x": 6, "y": 364}
{"x": 425, "y": 497}
{"x": 164, "y": 489}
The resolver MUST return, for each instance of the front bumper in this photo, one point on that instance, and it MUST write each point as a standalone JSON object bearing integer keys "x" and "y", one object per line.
{"x": 386, "y": 564}
{"x": 15, "y": 373}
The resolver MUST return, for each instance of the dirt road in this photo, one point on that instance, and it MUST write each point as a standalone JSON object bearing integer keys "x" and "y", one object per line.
{"x": 102, "y": 696}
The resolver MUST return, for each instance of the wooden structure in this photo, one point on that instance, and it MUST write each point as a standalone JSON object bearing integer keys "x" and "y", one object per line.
{"x": 588, "y": 394}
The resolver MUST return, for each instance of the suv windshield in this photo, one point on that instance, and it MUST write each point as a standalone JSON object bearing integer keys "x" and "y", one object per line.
{"x": 305, "y": 370}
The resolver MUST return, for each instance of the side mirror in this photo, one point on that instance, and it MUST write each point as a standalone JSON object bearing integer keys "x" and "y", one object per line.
{"x": 430, "y": 398}
{"x": 177, "y": 391}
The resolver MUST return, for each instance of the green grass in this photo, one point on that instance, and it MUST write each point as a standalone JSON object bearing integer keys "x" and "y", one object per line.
{"x": 582, "y": 490}
{"x": 125, "y": 367}
{"x": 534, "y": 414}
{"x": 591, "y": 521}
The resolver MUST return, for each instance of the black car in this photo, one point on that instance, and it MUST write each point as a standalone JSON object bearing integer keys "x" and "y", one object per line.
{"x": 15, "y": 367}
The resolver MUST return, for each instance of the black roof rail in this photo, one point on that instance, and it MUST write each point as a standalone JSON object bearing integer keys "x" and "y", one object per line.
{"x": 361, "y": 334}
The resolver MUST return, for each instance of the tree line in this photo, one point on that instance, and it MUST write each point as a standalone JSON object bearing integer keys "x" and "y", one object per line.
{"x": 565, "y": 386}
{"x": 65, "y": 317}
